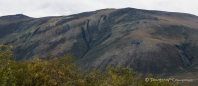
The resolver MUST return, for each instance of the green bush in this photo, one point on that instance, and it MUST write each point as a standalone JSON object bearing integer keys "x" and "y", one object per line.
{"x": 63, "y": 72}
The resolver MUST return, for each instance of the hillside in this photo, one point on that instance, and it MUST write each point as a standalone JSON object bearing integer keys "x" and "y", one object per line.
{"x": 161, "y": 43}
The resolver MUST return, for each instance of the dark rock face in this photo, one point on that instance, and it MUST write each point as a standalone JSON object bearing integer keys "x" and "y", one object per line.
{"x": 135, "y": 42}
{"x": 147, "y": 41}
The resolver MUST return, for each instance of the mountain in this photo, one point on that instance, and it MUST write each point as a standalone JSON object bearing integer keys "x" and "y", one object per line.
{"x": 4, "y": 20}
{"x": 157, "y": 42}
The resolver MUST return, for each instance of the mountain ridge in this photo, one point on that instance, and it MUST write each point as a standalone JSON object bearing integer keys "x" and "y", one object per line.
{"x": 154, "y": 42}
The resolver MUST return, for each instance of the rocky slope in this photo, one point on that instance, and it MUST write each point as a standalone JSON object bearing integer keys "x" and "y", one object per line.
{"x": 148, "y": 41}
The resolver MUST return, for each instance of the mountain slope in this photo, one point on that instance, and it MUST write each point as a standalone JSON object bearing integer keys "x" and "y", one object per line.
{"x": 148, "y": 41}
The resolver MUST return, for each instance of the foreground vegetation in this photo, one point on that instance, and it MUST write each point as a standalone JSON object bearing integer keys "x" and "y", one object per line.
{"x": 63, "y": 72}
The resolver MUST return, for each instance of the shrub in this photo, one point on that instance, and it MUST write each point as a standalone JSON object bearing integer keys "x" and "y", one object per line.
{"x": 64, "y": 72}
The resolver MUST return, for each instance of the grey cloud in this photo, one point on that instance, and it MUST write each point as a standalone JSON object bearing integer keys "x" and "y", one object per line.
{"x": 41, "y": 8}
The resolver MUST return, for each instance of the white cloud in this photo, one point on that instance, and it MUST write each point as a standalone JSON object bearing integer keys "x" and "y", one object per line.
{"x": 41, "y": 8}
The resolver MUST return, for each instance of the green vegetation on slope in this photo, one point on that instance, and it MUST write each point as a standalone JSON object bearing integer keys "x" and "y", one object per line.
{"x": 63, "y": 72}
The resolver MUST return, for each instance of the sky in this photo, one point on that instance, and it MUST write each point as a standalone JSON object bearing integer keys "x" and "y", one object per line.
{"x": 42, "y": 8}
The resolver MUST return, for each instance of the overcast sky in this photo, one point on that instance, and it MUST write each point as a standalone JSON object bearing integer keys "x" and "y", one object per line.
{"x": 41, "y": 8}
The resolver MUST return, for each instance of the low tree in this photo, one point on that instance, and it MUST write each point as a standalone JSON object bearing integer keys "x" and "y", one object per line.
{"x": 64, "y": 72}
